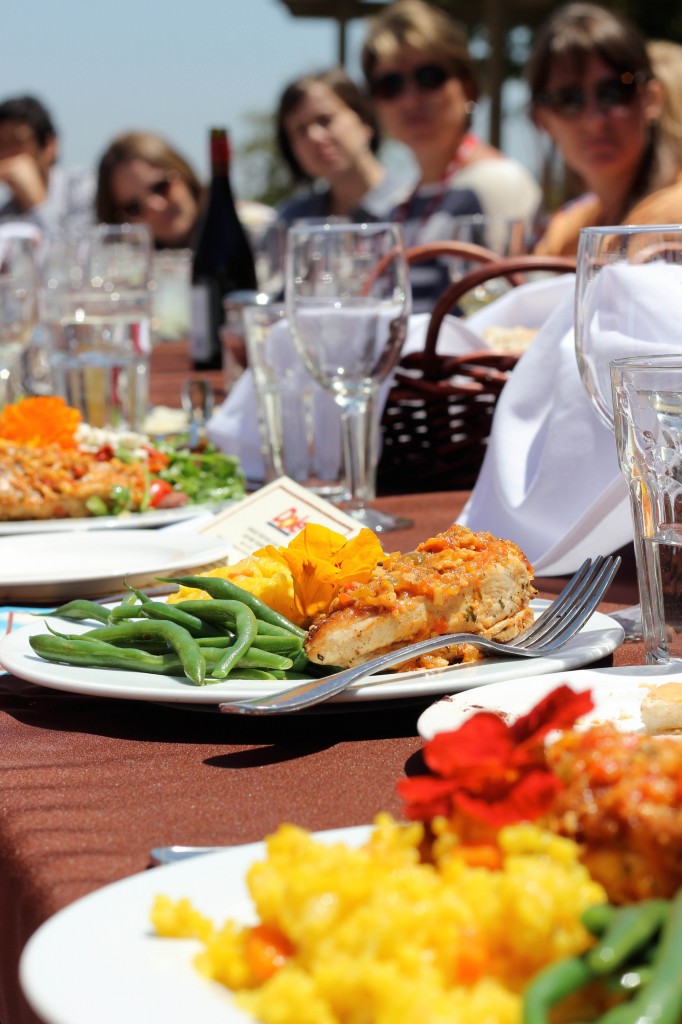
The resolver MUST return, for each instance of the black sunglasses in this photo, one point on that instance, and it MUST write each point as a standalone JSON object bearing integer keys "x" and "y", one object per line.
{"x": 426, "y": 78}
{"x": 609, "y": 94}
{"x": 136, "y": 206}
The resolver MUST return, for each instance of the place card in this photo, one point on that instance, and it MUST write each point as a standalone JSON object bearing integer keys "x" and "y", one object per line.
{"x": 274, "y": 514}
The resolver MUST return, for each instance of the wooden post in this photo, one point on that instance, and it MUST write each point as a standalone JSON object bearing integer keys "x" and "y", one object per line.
{"x": 494, "y": 19}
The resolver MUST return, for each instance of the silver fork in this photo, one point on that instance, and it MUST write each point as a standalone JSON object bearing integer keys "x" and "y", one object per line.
{"x": 566, "y": 615}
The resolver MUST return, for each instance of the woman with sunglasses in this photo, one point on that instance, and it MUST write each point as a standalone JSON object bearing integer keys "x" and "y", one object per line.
{"x": 142, "y": 179}
{"x": 328, "y": 136}
{"x": 593, "y": 91}
{"x": 421, "y": 77}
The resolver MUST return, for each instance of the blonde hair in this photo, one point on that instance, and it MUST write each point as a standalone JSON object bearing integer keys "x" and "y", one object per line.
{"x": 415, "y": 25}
{"x": 666, "y": 62}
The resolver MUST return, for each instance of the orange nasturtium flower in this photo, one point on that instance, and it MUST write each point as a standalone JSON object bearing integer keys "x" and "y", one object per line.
{"x": 321, "y": 562}
{"x": 40, "y": 421}
{"x": 492, "y": 772}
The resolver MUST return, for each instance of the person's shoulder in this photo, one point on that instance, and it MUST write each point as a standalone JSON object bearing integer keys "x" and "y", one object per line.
{"x": 307, "y": 204}
{"x": 563, "y": 230}
{"x": 664, "y": 206}
{"x": 506, "y": 187}
{"x": 388, "y": 194}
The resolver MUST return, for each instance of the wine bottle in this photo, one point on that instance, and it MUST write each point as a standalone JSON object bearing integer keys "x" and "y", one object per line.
{"x": 223, "y": 261}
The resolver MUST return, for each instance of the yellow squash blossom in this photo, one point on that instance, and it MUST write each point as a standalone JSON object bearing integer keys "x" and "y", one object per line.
{"x": 301, "y": 580}
{"x": 40, "y": 421}
{"x": 321, "y": 562}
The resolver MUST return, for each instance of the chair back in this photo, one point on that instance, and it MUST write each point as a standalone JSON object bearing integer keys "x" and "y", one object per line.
{"x": 437, "y": 418}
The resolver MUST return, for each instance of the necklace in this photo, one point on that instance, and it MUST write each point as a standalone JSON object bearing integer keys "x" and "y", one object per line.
{"x": 457, "y": 161}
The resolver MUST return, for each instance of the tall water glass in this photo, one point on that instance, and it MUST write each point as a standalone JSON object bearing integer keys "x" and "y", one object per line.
{"x": 348, "y": 299}
{"x": 96, "y": 311}
{"x": 18, "y": 312}
{"x": 647, "y": 403}
{"x": 628, "y": 301}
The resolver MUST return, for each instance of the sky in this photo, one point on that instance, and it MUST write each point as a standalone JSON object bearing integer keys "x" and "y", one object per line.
{"x": 176, "y": 67}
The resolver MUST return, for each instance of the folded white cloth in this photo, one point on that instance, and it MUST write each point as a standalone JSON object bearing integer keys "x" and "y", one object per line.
{"x": 233, "y": 427}
{"x": 550, "y": 480}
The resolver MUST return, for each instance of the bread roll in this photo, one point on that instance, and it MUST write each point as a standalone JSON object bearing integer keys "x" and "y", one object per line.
{"x": 661, "y": 709}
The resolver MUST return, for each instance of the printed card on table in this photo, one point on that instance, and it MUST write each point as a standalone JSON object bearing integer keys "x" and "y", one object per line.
{"x": 274, "y": 515}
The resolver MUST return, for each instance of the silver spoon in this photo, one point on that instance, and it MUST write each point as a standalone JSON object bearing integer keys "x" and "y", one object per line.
{"x": 172, "y": 854}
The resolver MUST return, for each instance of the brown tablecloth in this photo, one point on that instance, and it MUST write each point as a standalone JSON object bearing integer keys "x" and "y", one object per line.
{"x": 90, "y": 785}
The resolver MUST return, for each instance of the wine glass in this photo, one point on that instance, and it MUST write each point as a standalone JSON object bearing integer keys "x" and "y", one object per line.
{"x": 505, "y": 236}
{"x": 348, "y": 300}
{"x": 628, "y": 301}
{"x": 18, "y": 312}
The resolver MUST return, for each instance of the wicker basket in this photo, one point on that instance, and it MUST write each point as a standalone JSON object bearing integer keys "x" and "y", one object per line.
{"x": 437, "y": 418}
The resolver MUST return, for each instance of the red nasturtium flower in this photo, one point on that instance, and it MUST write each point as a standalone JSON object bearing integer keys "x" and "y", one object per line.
{"x": 490, "y": 771}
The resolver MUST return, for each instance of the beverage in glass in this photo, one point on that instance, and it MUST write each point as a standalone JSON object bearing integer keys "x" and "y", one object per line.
{"x": 647, "y": 404}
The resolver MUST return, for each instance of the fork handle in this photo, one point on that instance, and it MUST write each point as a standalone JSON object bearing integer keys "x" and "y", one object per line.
{"x": 314, "y": 691}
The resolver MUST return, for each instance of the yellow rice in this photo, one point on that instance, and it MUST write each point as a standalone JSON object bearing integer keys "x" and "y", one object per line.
{"x": 381, "y": 938}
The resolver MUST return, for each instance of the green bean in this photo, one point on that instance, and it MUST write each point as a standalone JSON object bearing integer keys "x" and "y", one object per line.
{"x": 270, "y": 629}
{"x": 223, "y": 589}
{"x": 661, "y": 999}
{"x": 301, "y": 661}
{"x": 98, "y": 654}
{"x": 246, "y": 634}
{"x": 78, "y": 611}
{"x": 219, "y": 613}
{"x": 553, "y": 984}
{"x": 632, "y": 928}
{"x": 124, "y": 612}
{"x": 182, "y": 642}
{"x": 160, "y": 610}
{"x": 287, "y": 645}
{"x": 597, "y": 918}
{"x": 216, "y": 641}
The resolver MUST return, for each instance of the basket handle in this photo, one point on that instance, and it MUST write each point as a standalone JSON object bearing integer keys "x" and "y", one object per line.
{"x": 510, "y": 267}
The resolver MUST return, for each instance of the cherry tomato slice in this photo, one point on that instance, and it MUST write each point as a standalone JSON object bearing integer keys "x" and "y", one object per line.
{"x": 158, "y": 490}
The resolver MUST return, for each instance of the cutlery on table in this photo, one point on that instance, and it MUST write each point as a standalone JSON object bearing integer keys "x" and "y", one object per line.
{"x": 551, "y": 631}
{"x": 172, "y": 854}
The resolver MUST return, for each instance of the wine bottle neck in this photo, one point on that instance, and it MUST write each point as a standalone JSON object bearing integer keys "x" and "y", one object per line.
{"x": 220, "y": 154}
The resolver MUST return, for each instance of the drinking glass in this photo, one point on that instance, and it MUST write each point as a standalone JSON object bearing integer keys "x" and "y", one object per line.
{"x": 18, "y": 312}
{"x": 647, "y": 403}
{"x": 348, "y": 300}
{"x": 628, "y": 301}
{"x": 505, "y": 236}
{"x": 96, "y": 310}
{"x": 299, "y": 422}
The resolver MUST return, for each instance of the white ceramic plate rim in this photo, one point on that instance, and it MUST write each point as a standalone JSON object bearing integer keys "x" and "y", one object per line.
{"x": 126, "y": 973}
{"x": 598, "y": 638}
{"x": 127, "y": 552}
{"x": 136, "y": 520}
{"x": 617, "y": 694}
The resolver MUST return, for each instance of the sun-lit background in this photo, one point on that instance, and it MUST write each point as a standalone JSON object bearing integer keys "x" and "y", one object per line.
{"x": 179, "y": 67}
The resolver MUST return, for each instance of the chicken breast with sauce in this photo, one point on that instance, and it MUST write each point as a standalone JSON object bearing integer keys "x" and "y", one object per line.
{"x": 458, "y": 581}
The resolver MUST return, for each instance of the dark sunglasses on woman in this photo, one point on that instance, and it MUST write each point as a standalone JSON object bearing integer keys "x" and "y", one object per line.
{"x": 135, "y": 207}
{"x": 426, "y": 78}
{"x": 609, "y": 94}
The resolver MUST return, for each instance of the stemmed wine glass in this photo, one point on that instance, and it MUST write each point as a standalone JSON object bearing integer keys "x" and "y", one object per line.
{"x": 348, "y": 300}
{"x": 628, "y": 302}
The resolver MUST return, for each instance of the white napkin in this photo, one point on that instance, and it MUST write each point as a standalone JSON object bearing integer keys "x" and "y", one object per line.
{"x": 550, "y": 480}
{"x": 233, "y": 427}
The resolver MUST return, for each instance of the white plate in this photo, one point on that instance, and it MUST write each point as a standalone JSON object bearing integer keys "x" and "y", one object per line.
{"x": 126, "y": 520}
{"x": 49, "y": 566}
{"x": 617, "y": 694}
{"x": 98, "y": 959}
{"x": 599, "y": 637}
